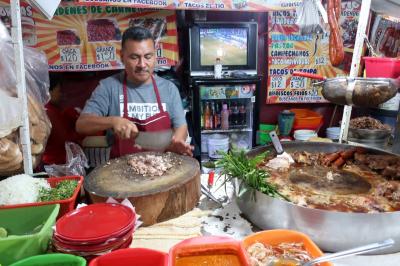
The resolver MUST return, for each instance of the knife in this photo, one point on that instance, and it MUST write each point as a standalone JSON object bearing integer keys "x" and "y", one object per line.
{"x": 154, "y": 140}
{"x": 278, "y": 147}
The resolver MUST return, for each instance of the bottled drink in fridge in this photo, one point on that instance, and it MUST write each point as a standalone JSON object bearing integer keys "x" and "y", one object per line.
{"x": 212, "y": 115}
{"x": 242, "y": 115}
{"x": 225, "y": 117}
{"x": 201, "y": 116}
{"x": 217, "y": 116}
{"x": 235, "y": 115}
{"x": 207, "y": 117}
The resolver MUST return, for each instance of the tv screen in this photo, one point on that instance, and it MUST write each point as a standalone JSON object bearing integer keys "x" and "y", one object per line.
{"x": 228, "y": 44}
{"x": 234, "y": 43}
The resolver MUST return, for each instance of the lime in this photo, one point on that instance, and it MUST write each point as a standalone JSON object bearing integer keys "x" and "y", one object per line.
{"x": 3, "y": 232}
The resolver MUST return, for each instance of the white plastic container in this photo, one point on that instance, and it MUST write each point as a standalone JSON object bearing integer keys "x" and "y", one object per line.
{"x": 217, "y": 142}
{"x": 333, "y": 133}
{"x": 304, "y": 134}
{"x": 204, "y": 143}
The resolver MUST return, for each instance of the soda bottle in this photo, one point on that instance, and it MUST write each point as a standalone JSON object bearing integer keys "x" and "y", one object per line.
{"x": 201, "y": 116}
{"x": 242, "y": 115}
{"x": 235, "y": 115}
{"x": 225, "y": 117}
{"x": 217, "y": 116}
{"x": 207, "y": 117}
{"x": 212, "y": 122}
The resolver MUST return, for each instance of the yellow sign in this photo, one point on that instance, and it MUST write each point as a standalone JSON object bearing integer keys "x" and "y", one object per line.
{"x": 88, "y": 38}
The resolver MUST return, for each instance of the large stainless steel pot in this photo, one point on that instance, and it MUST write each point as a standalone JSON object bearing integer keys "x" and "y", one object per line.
{"x": 331, "y": 230}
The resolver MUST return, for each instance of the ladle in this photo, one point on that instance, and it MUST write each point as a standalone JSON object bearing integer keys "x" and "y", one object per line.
{"x": 334, "y": 256}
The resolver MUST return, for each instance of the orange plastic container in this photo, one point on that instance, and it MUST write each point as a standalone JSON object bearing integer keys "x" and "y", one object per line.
{"x": 275, "y": 237}
{"x": 306, "y": 119}
{"x": 132, "y": 256}
{"x": 66, "y": 205}
{"x": 382, "y": 67}
{"x": 208, "y": 245}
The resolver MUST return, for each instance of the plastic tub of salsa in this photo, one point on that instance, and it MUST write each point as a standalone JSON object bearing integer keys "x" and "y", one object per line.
{"x": 210, "y": 251}
{"x": 276, "y": 242}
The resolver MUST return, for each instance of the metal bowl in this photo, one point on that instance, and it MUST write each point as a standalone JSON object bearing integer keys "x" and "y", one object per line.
{"x": 331, "y": 230}
{"x": 371, "y": 134}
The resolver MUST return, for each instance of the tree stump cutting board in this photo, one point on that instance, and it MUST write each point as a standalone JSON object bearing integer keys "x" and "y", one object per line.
{"x": 156, "y": 198}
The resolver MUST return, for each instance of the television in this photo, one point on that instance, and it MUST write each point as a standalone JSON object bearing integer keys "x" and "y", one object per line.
{"x": 235, "y": 44}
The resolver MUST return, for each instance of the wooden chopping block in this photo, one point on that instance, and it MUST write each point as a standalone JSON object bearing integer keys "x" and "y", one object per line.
{"x": 157, "y": 198}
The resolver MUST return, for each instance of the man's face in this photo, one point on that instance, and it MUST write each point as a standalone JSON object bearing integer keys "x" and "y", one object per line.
{"x": 139, "y": 59}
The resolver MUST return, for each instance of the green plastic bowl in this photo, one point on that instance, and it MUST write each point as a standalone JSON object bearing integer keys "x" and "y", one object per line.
{"x": 57, "y": 259}
{"x": 29, "y": 231}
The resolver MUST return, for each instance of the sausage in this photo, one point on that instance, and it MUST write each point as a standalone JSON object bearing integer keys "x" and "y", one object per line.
{"x": 336, "y": 49}
{"x": 330, "y": 158}
{"x": 339, "y": 162}
{"x": 348, "y": 154}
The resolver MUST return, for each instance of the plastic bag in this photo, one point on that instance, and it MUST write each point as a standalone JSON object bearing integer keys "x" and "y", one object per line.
{"x": 10, "y": 115}
{"x": 308, "y": 18}
{"x": 37, "y": 84}
{"x": 76, "y": 162}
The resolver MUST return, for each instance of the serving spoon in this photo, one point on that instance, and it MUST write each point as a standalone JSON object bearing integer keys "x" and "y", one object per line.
{"x": 334, "y": 256}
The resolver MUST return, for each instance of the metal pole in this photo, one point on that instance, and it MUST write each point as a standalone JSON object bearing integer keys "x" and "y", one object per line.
{"x": 16, "y": 34}
{"x": 355, "y": 63}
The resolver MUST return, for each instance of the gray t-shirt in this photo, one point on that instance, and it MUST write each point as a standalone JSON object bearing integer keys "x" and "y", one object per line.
{"x": 108, "y": 100}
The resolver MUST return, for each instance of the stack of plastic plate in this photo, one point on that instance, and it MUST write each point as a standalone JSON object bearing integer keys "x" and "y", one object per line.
{"x": 94, "y": 229}
{"x": 333, "y": 133}
{"x": 304, "y": 134}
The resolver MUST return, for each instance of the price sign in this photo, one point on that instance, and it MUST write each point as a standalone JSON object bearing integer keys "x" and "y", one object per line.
{"x": 278, "y": 82}
{"x": 297, "y": 83}
{"x": 70, "y": 55}
{"x": 106, "y": 54}
{"x": 321, "y": 61}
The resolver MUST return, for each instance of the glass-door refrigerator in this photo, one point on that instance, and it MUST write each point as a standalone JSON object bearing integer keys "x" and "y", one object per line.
{"x": 225, "y": 114}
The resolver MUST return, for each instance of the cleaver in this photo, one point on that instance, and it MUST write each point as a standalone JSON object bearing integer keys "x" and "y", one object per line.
{"x": 155, "y": 140}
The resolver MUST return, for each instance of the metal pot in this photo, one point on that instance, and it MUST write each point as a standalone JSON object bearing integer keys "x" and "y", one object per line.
{"x": 366, "y": 92}
{"x": 331, "y": 230}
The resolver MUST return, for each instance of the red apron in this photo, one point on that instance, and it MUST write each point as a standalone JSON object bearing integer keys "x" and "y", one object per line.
{"x": 158, "y": 122}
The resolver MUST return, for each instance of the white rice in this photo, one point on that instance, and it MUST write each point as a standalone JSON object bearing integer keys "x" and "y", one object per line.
{"x": 20, "y": 189}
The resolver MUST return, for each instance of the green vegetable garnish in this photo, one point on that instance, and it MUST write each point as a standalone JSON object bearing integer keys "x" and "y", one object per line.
{"x": 209, "y": 164}
{"x": 63, "y": 190}
{"x": 236, "y": 164}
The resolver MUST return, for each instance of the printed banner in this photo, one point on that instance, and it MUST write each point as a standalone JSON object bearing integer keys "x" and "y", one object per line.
{"x": 88, "y": 38}
{"x": 385, "y": 36}
{"x": 245, "y": 5}
{"x": 290, "y": 51}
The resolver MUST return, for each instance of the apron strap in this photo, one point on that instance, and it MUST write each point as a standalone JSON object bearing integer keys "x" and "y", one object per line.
{"x": 125, "y": 92}
{"x": 160, "y": 107}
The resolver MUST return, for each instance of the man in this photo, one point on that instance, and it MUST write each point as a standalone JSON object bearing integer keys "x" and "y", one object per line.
{"x": 135, "y": 100}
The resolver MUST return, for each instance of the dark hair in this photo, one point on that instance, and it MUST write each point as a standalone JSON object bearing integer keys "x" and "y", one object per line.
{"x": 55, "y": 79}
{"x": 136, "y": 33}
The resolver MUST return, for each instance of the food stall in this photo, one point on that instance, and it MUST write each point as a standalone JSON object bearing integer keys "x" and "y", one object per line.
{"x": 327, "y": 191}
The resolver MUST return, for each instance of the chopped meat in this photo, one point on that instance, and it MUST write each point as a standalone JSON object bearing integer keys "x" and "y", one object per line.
{"x": 390, "y": 190}
{"x": 150, "y": 165}
{"x": 279, "y": 163}
{"x": 377, "y": 164}
{"x": 361, "y": 158}
{"x": 365, "y": 122}
{"x": 390, "y": 171}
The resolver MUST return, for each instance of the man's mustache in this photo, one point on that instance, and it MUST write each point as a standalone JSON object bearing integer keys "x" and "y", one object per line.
{"x": 142, "y": 70}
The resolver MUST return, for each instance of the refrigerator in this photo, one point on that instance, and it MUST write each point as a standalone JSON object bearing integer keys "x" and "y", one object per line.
{"x": 212, "y": 135}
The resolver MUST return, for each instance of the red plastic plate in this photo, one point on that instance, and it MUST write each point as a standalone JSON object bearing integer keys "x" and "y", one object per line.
{"x": 94, "y": 222}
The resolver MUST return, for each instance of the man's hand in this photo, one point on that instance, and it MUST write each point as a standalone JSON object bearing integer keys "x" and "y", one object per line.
{"x": 124, "y": 128}
{"x": 180, "y": 147}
